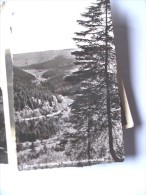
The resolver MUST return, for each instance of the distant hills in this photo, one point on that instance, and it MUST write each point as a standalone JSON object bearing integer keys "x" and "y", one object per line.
{"x": 57, "y": 62}
{"x": 26, "y": 59}
{"x": 48, "y": 73}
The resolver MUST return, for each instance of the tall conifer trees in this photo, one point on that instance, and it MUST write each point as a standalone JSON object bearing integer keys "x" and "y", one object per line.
{"x": 97, "y": 104}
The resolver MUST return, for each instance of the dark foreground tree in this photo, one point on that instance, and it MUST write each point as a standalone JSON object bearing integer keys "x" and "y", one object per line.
{"x": 96, "y": 110}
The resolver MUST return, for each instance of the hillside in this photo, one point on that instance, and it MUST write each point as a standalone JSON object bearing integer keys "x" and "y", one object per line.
{"x": 26, "y": 59}
{"x": 22, "y": 75}
{"x": 57, "y": 62}
{"x": 49, "y": 74}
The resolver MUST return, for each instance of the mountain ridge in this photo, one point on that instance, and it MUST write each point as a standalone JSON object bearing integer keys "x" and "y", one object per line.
{"x": 26, "y": 59}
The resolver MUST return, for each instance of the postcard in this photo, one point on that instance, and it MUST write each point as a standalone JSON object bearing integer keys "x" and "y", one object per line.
{"x": 66, "y": 94}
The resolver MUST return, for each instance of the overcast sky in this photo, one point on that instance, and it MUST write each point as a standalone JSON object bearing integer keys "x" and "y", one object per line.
{"x": 45, "y": 25}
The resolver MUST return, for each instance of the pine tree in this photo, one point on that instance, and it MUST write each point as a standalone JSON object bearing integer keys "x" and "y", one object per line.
{"x": 97, "y": 104}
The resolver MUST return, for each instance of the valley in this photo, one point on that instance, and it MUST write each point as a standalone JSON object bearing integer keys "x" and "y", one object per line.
{"x": 37, "y": 74}
{"x": 61, "y": 116}
{"x": 43, "y": 99}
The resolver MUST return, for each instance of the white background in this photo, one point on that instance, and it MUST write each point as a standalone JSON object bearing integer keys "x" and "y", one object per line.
{"x": 128, "y": 178}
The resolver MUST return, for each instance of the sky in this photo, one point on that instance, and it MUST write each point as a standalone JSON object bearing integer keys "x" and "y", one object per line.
{"x": 45, "y": 25}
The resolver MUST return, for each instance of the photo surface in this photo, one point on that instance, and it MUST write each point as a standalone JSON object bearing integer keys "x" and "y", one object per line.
{"x": 66, "y": 96}
{"x": 3, "y": 144}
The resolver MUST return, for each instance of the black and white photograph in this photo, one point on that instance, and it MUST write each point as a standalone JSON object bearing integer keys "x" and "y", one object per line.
{"x": 3, "y": 143}
{"x": 66, "y": 96}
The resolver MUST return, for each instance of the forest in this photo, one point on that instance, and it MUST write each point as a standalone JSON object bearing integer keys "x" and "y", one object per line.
{"x": 68, "y": 110}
